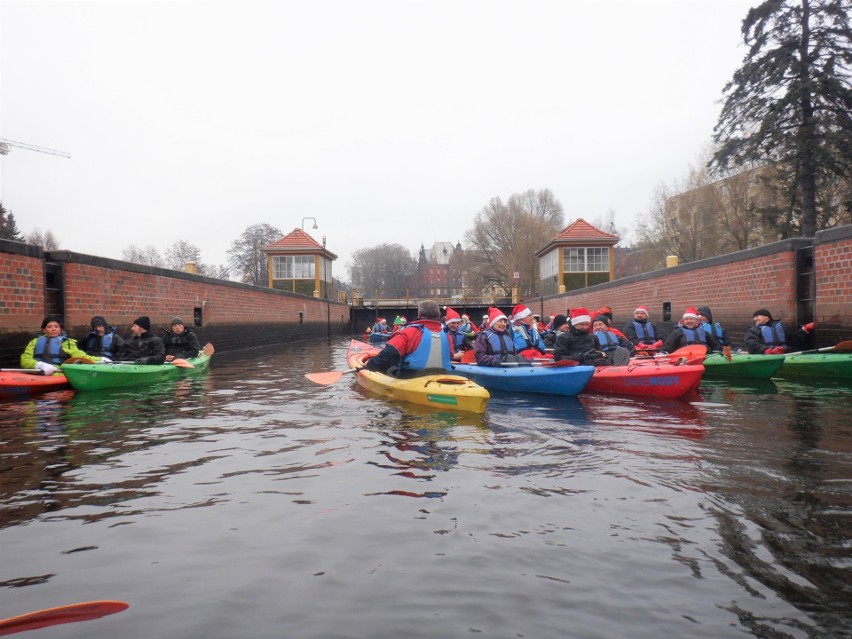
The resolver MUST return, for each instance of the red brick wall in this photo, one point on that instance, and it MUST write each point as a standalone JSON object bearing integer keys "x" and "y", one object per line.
{"x": 833, "y": 255}
{"x": 21, "y": 287}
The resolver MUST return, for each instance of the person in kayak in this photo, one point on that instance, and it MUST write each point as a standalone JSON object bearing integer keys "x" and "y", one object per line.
{"x": 453, "y": 327}
{"x": 495, "y": 345}
{"x": 558, "y": 324}
{"x": 143, "y": 347}
{"x": 688, "y": 332}
{"x": 720, "y": 335}
{"x": 578, "y": 344}
{"x": 180, "y": 342}
{"x": 418, "y": 346}
{"x": 767, "y": 336}
{"x": 618, "y": 348}
{"x": 641, "y": 331}
{"x": 381, "y": 326}
{"x": 528, "y": 341}
{"x": 47, "y": 351}
{"x": 102, "y": 340}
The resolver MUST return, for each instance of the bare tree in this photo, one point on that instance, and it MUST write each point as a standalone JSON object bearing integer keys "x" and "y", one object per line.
{"x": 247, "y": 252}
{"x": 181, "y": 252}
{"x": 505, "y": 237}
{"x": 148, "y": 255}
{"x": 386, "y": 267}
{"x": 46, "y": 240}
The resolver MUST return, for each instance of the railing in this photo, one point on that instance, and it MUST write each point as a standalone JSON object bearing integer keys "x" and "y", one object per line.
{"x": 409, "y": 299}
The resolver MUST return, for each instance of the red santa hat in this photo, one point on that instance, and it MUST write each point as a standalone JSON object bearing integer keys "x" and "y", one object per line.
{"x": 495, "y": 314}
{"x": 691, "y": 312}
{"x": 580, "y": 315}
{"x": 644, "y": 309}
{"x": 520, "y": 312}
{"x": 451, "y": 316}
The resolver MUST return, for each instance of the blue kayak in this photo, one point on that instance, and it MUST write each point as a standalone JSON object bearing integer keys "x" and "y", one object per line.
{"x": 550, "y": 380}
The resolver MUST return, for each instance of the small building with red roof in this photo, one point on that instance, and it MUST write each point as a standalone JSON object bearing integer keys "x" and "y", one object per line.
{"x": 581, "y": 255}
{"x": 299, "y": 264}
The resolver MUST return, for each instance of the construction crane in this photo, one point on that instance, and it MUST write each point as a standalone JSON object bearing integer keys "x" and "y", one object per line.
{"x": 5, "y": 144}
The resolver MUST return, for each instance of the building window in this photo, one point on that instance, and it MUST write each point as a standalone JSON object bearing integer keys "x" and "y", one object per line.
{"x": 293, "y": 267}
{"x": 586, "y": 260}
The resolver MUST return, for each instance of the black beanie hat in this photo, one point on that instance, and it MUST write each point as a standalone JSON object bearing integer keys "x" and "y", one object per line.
{"x": 705, "y": 311}
{"x": 559, "y": 320}
{"x": 762, "y": 311}
{"x": 51, "y": 318}
{"x": 600, "y": 318}
{"x": 143, "y": 322}
{"x": 98, "y": 320}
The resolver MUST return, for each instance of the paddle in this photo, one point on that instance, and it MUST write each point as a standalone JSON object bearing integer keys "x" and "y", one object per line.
{"x": 61, "y": 614}
{"x": 330, "y": 377}
{"x": 841, "y": 347}
{"x": 726, "y": 351}
{"x": 28, "y": 371}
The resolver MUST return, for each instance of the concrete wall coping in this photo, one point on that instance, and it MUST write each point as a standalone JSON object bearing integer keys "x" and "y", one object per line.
{"x": 21, "y": 248}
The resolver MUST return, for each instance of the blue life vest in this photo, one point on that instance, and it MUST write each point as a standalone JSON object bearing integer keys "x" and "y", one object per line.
{"x": 457, "y": 337}
{"x": 106, "y": 343}
{"x": 499, "y": 343}
{"x": 433, "y": 351}
{"x": 54, "y": 354}
{"x": 645, "y": 332}
{"x": 773, "y": 335}
{"x": 694, "y": 335}
{"x": 527, "y": 338}
{"x": 715, "y": 330}
{"x": 607, "y": 339}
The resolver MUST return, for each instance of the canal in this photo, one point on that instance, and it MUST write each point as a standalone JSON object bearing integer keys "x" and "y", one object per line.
{"x": 248, "y": 502}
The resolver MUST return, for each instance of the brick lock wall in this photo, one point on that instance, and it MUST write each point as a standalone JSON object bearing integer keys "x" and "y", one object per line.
{"x": 833, "y": 254}
{"x": 21, "y": 286}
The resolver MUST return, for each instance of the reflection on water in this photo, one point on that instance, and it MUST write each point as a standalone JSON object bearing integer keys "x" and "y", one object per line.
{"x": 261, "y": 505}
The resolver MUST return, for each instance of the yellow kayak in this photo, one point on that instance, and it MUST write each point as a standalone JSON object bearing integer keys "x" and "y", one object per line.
{"x": 447, "y": 391}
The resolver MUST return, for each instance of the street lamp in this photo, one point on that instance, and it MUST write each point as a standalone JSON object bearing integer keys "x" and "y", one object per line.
{"x": 309, "y": 218}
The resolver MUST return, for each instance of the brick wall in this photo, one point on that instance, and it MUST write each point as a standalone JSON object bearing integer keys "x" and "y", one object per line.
{"x": 833, "y": 255}
{"x": 21, "y": 286}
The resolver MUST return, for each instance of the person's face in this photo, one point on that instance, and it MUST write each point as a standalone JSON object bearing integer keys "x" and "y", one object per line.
{"x": 528, "y": 320}
{"x": 599, "y": 326}
{"x": 53, "y": 329}
{"x": 583, "y": 327}
{"x": 101, "y": 329}
{"x": 135, "y": 329}
{"x": 177, "y": 329}
{"x": 640, "y": 315}
{"x": 760, "y": 320}
{"x": 500, "y": 324}
{"x": 691, "y": 322}
{"x": 705, "y": 319}
{"x": 453, "y": 325}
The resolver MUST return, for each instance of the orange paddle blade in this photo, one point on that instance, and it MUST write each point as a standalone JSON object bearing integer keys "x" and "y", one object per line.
{"x": 182, "y": 363}
{"x": 208, "y": 349}
{"x": 61, "y": 614}
{"x": 560, "y": 363}
{"x": 843, "y": 347}
{"x": 726, "y": 351}
{"x": 325, "y": 378}
{"x": 468, "y": 357}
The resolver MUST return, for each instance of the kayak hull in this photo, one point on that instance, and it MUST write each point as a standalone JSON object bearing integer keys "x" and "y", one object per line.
{"x": 441, "y": 391}
{"x": 815, "y": 365}
{"x": 562, "y": 380}
{"x": 742, "y": 365}
{"x": 87, "y": 377}
{"x": 662, "y": 380}
{"x": 15, "y": 384}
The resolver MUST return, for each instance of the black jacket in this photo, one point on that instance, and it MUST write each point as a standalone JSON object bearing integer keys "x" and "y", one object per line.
{"x": 182, "y": 345}
{"x": 144, "y": 349}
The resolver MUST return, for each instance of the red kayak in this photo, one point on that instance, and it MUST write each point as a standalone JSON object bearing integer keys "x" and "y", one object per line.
{"x": 647, "y": 380}
{"x": 13, "y": 383}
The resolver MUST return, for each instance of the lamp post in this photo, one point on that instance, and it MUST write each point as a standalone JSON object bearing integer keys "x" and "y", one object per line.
{"x": 309, "y": 218}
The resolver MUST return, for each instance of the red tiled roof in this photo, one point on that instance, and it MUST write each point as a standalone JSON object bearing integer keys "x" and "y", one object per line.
{"x": 579, "y": 229}
{"x": 299, "y": 241}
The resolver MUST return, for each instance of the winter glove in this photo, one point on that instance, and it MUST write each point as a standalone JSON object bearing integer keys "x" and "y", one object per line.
{"x": 656, "y": 344}
{"x": 641, "y": 346}
{"x": 105, "y": 360}
{"x": 808, "y": 327}
{"x": 47, "y": 369}
{"x": 141, "y": 360}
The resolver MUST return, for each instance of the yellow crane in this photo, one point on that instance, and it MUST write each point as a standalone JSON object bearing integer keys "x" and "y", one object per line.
{"x": 5, "y": 144}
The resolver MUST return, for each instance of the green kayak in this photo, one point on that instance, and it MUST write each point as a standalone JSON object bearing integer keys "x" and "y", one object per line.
{"x": 830, "y": 365}
{"x": 116, "y": 375}
{"x": 742, "y": 365}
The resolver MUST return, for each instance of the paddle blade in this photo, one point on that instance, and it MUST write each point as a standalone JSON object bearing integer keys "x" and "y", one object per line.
{"x": 468, "y": 357}
{"x": 726, "y": 351}
{"x": 561, "y": 363}
{"x": 695, "y": 353}
{"x": 208, "y": 349}
{"x": 182, "y": 363}
{"x": 61, "y": 614}
{"x": 25, "y": 371}
{"x": 843, "y": 347}
{"x": 324, "y": 378}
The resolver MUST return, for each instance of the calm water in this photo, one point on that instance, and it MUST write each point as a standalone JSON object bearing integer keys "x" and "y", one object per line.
{"x": 249, "y": 502}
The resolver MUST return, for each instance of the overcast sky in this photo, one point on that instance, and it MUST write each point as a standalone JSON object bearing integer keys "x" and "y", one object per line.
{"x": 387, "y": 121}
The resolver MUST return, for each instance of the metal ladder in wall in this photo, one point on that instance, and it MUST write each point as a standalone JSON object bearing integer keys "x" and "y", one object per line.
{"x": 805, "y": 285}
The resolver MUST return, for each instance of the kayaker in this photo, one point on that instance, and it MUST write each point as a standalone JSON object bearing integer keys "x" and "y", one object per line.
{"x": 578, "y": 343}
{"x": 406, "y": 350}
{"x": 618, "y": 348}
{"x": 495, "y": 345}
{"x": 452, "y": 325}
{"x": 559, "y": 324}
{"x": 102, "y": 340}
{"x": 484, "y": 325}
{"x": 607, "y": 311}
{"x": 766, "y": 335}
{"x": 641, "y": 332}
{"x": 688, "y": 332}
{"x": 720, "y": 335}
{"x": 381, "y": 326}
{"x": 528, "y": 341}
{"x": 47, "y": 351}
{"x": 143, "y": 347}
{"x": 468, "y": 327}
{"x": 180, "y": 342}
